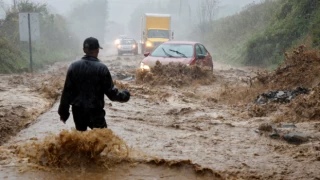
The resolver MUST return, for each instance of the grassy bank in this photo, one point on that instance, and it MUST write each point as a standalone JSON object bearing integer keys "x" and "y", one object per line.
{"x": 261, "y": 33}
{"x": 11, "y": 59}
{"x": 55, "y": 44}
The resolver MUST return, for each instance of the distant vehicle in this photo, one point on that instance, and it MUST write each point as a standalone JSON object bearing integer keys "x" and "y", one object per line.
{"x": 188, "y": 53}
{"x": 117, "y": 41}
{"x": 127, "y": 45}
{"x": 155, "y": 30}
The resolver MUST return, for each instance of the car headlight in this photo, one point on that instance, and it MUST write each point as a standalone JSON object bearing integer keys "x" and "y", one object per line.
{"x": 144, "y": 67}
{"x": 134, "y": 46}
{"x": 116, "y": 42}
{"x": 149, "y": 44}
{"x": 119, "y": 46}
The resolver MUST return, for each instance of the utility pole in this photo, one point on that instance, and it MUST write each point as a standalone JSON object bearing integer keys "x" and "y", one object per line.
{"x": 29, "y": 31}
{"x": 180, "y": 10}
{"x": 15, "y": 4}
{"x": 30, "y": 43}
{"x": 2, "y": 5}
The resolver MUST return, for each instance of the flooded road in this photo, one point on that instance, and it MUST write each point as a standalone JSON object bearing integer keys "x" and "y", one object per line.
{"x": 176, "y": 133}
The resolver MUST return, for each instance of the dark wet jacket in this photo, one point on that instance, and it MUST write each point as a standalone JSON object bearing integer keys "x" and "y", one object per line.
{"x": 87, "y": 81}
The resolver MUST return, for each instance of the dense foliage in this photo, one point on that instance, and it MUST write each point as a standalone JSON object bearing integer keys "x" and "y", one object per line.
{"x": 260, "y": 33}
{"x": 228, "y": 37}
{"x": 291, "y": 24}
{"x": 54, "y": 45}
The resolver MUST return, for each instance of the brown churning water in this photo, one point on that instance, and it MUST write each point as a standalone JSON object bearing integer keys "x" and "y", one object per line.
{"x": 74, "y": 148}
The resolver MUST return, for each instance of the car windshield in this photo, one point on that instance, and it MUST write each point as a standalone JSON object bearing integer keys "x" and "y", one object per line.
{"x": 174, "y": 50}
{"x": 127, "y": 41}
{"x": 158, "y": 34}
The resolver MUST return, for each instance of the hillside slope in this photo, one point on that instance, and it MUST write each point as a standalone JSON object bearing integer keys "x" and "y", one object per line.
{"x": 262, "y": 32}
{"x": 11, "y": 59}
{"x": 294, "y": 21}
{"x": 55, "y": 43}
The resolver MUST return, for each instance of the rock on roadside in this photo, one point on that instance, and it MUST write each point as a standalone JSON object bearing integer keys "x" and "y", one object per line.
{"x": 296, "y": 138}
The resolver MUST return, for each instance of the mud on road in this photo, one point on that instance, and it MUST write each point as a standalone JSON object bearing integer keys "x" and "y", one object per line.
{"x": 23, "y": 97}
{"x": 192, "y": 131}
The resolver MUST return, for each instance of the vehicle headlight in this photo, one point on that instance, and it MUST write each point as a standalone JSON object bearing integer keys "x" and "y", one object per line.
{"x": 134, "y": 46}
{"x": 149, "y": 44}
{"x": 144, "y": 67}
{"x": 119, "y": 46}
{"x": 116, "y": 42}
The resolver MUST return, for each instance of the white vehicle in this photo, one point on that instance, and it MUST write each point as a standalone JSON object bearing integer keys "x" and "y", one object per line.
{"x": 127, "y": 45}
{"x": 117, "y": 41}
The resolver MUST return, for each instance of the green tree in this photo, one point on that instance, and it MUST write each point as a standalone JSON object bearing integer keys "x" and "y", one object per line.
{"x": 54, "y": 45}
{"x": 293, "y": 21}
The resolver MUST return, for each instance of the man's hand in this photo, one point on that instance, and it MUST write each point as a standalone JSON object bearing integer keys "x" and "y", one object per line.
{"x": 125, "y": 95}
{"x": 62, "y": 120}
{"x": 64, "y": 116}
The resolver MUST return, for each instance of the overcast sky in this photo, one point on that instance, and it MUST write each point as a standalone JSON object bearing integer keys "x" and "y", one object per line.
{"x": 118, "y": 9}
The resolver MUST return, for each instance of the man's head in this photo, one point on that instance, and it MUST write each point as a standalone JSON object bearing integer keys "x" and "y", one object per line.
{"x": 91, "y": 47}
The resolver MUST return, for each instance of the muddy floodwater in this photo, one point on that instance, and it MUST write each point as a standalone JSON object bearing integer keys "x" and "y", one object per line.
{"x": 169, "y": 132}
{"x": 123, "y": 171}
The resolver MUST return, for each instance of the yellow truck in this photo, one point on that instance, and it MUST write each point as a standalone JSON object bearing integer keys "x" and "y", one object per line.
{"x": 155, "y": 30}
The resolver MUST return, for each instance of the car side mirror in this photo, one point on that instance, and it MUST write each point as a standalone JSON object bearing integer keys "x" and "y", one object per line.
{"x": 201, "y": 56}
{"x": 146, "y": 54}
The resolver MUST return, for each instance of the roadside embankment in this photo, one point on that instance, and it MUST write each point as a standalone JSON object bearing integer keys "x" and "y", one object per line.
{"x": 24, "y": 97}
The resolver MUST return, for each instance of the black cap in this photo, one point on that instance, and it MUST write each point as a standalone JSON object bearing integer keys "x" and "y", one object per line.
{"x": 91, "y": 43}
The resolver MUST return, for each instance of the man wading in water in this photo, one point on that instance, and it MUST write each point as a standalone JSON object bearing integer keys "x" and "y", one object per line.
{"x": 87, "y": 81}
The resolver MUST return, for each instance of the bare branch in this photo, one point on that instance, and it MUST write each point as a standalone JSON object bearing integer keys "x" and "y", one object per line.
{"x": 206, "y": 13}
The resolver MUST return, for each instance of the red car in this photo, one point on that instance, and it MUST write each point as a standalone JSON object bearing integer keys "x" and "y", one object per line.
{"x": 189, "y": 53}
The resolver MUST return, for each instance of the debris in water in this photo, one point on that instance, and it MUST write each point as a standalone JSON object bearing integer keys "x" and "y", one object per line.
{"x": 182, "y": 111}
{"x": 280, "y": 96}
{"x": 123, "y": 76}
{"x": 274, "y": 134}
{"x": 303, "y": 108}
{"x": 258, "y": 132}
{"x": 265, "y": 127}
{"x": 296, "y": 138}
{"x": 288, "y": 125}
{"x": 130, "y": 78}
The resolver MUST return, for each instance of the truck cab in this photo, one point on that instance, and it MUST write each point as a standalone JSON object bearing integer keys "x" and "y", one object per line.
{"x": 155, "y": 30}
